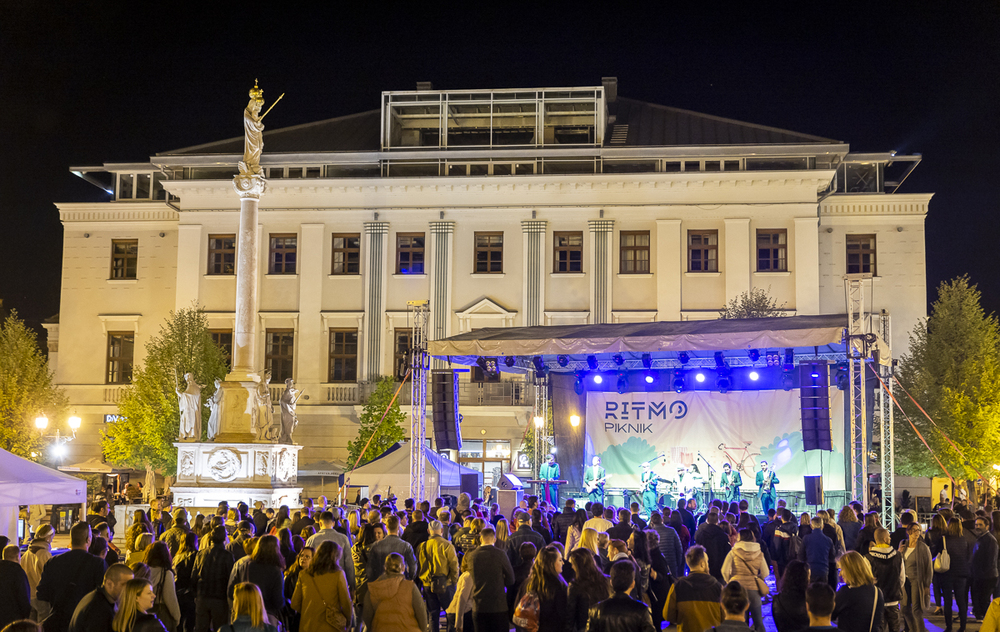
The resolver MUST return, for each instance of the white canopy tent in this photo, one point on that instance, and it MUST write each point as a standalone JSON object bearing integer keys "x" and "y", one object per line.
{"x": 391, "y": 471}
{"x": 24, "y": 482}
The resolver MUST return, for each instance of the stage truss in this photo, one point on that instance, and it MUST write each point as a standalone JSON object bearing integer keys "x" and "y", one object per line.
{"x": 419, "y": 313}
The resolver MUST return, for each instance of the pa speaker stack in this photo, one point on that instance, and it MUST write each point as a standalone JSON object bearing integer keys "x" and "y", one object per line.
{"x": 444, "y": 410}
{"x": 814, "y": 403}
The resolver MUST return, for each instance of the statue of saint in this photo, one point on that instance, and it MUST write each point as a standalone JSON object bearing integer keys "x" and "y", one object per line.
{"x": 253, "y": 128}
{"x": 215, "y": 406}
{"x": 265, "y": 416}
{"x": 289, "y": 399}
{"x": 189, "y": 402}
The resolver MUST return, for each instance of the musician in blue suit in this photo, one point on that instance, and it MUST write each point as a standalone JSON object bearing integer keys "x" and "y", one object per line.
{"x": 550, "y": 472}
{"x": 731, "y": 482}
{"x": 593, "y": 481}
{"x": 649, "y": 496}
{"x": 766, "y": 481}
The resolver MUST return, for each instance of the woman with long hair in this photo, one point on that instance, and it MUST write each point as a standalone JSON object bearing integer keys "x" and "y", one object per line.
{"x": 788, "y": 608}
{"x": 135, "y": 607}
{"x": 354, "y": 523}
{"x": 590, "y": 540}
{"x": 199, "y": 524}
{"x": 918, "y": 570}
{"x": 955, "y": 581}
{"x": 503, "y": 532}
{"x": 659, "y": 574}
{"x": 266, "y": 570}
{"x": 934, "y": 539}
{"x": 248, "y": 611}
{"x": 292, "y": 573}
{"x": 746, "y": 565}
{"x": 367, "y": 537}
{"x": 285, "y": 545}
{"x": 140, "y": 524}
{"x": 638, "y": 548}
{"x": 867, "y": 534}
{"x": 161, "y": 576}
{"x": 575, "y": 530}
{"x": 142, "y": 542}
{"x": 545, "y": 580}
{"x": 232, "y": 518}
{"x": 589, "y": 587}
{"x": 848, "y": 522}
{"x": 320, "y": 585}
{"x": 183, "y": 567}
{"x": 677, "y": 522}
{"x": 860, "y": 605}
{"x": 280, "y": 518}
{"x": 393, "y": 603}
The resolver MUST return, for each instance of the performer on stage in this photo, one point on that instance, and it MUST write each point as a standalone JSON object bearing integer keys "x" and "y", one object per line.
{"x": 593, "y": 481}
{"x": 649, "y": 495}
{"x": 766, "y": 480}
{"x": 731, "y": 482}
{"x": 550, "y": 472}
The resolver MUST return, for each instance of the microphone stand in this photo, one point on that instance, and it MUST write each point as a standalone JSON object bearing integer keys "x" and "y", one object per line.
{"x": 711, "y": 484}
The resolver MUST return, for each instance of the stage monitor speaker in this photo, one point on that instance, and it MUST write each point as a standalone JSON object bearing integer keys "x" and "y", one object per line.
{"x": 509, "y": 481}
{"x": 444, "y": 410}
{"x": 814, "y": 490}
{"x": 814, "y": 404}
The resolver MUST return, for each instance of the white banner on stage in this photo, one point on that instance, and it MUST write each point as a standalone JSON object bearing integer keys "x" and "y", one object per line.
{"x": 688, "y": 428}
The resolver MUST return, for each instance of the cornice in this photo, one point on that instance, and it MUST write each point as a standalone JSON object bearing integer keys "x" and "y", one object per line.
{"x": 875, "y": 204}
{"x": 117, "y": 212}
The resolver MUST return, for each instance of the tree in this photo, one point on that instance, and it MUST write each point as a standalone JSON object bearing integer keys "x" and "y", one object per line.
{"x": 26, "y": 389}
{"x": 528, "y": 438}
{"x": 150, "y": 418}
{"x": 386, "y": 431}
{"x": 755, "y": 303}
{"x": 953, "y": 370}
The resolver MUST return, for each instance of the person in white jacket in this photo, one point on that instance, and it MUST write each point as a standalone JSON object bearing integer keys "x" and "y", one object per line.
{"x": 33, "y": 561}
{"x": 745, "y": 564}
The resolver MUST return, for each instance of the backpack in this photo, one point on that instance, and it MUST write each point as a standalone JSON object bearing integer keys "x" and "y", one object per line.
{"x": 794, "y": 550}
{"x": 526, "y": 614}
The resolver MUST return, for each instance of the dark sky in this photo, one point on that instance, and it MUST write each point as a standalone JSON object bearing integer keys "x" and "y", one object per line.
{"x": 86, "y": 83}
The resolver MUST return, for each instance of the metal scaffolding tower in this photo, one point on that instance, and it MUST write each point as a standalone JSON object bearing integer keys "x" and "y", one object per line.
{"x": 419, "y": 312}
{"x": 857, "y": 353}
{"x": 887, "y": 458}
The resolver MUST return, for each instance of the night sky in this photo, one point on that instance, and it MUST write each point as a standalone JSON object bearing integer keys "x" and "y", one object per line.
{"x": 87, "y": 83}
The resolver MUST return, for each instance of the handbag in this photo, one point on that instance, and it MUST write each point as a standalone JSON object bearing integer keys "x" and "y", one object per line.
{"x": 761, "y": 585}
{"x": 943, "y": 561}
{"x": 871, "y": 623}
{"x": 333, "y": 616}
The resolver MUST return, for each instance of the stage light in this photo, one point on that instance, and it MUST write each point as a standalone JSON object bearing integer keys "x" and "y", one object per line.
{"x": 539, "y": 364}
{"x": 539, "y": 422}
{"x": 592, "y": 362}
{"x": 787, "y": 381}
{"x": 647, "y": 361}
{"x": 700, "y": 377}
{"x": 754, "y": 355}
{"x": 562, "y": 360}
{"x": 481, "y": 363}
{"x": 622, "y": 383}
{"x": 618, "y": 359}
{"x": 574, "y": 420}
{"x": 814, "y": 375}
{"x": 789, "y": 358}
{"x": 553, "y": 450}
{"x": 579, "y": 387}
{"x": 843, "y": 377}
{"x": 684, "y": 357}
{"x": 720, "y": 360}
{"x": 723, "y": 384}
{"x": 509, "y": 361}
{"x": 597, "y": 378}
{"x": 650, "y": 376}
{"x": 754, "y": 376}
{"x": 679, "y": 382}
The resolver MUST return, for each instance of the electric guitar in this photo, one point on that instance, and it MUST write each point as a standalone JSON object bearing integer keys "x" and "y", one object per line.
{"x": 592, "y": 486}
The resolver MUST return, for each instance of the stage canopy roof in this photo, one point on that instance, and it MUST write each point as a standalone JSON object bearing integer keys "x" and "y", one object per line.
{"x": 814, "y": 335}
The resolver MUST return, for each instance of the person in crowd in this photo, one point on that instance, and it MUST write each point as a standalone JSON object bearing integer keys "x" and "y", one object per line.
{"x": 735, "y": 604}
{"x": 285, "y": 545}
{"x": 392, "y": 543}
{"x": 523, "y": 534}
{"x": 503, "y": 532}
{"x": 669, "y": 545}
{"x": 819, "y": 551}
{"x": 901, "y": 533}
{"x": 164, "y": 588}
{"x": 935, "y": 540}
{"x": 715, "y": 542}
{"x": 238, "y": 543}
{"x": 394, "y": 602}
{"x": 101, "y": 512}
{"x": 590, "y": 541}
{"x": 248, "y": 610}
{"x": 141, "y": 571}
{"x": 745, "y": 565}
{"x": 561, "y": 523}
{"x": 438, "y": 564}
{"x": 281, "y": 519}
{"x": 305, "y": 520}
{"x": 686, "y": 509}
{"x": 459, "y": 611}
{"x": 867, "y": 534}
{"x": 526, "y": 560}
{"x": 820, "y": 601}
{"x": 638, "y": 550}
{"x": 660, "y": 577}
{"x": 467, "y": 538}
{"x": 183, "y": 569}
{"x": 683, "y": 533}
{"x": 788, "y": 608}
{"x": 573, "y": 531}
{"x": 142, "y": 542}
{"x": 33, "y": 562}
{"x": 955, "y": 581}
{"x": 418, "y": 531}
{"x": 917, "y": 565}
{"x": 588, "y": 587}
{"x": 598, "y": 522}
{"x": 620, "y": 611}
{"x": 693, "y": 601}
{"x": 367, "y": 537}
{"x": 983, "y": 567}
{"x": 887, "y": 567}
{"x": 175, "y": 533}
{"x": 545, "y": 581}
{"x": 322, "y": 587}
{"x": 96, "y": 610}
{"x": 623, "y": 529}
{"x": 68, "y": 577}
{"x": 859, "y": 605}
{"x": 15, "y": 591}
{"x": 805, "y": 525}
{"x": 265, "y": 569}
{"x": 540, "y": 525}
{"x": 259, "y": 518}
{"x": 302, "y": 561}
{"x": 102, "y": 538}
{"x": 209, "y": 580}
{"x": 491, "y": 571}
{"x": 135, "y": 609}
{"x": 327, "y": 520}
{"x": 140, "y": 524}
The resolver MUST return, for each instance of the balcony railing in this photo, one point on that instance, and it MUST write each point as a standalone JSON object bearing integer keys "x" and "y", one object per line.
{"x": 469, "y": 394}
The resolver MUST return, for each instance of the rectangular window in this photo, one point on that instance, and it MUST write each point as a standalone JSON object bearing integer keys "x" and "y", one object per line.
{"x": 124, "y": 258}
{"x": 278, "y": 354}
{"x": 861, "y": 254}
{"x": 222, "y": 254}
{"x": 409, "y": 253}
{"x": 346, "y": 253}
{"x": 402, "y": 342}
{"x": 282, "y": 255}
{"x": 568, "y": 251}
{"x": 489, "y": 253}
{"x": 703, "y": 251}
{"x": 119, "y": 358}
{"x": 634, "y": 252}
{"x": 223, "y": 338}
{"x": 343, "y": 355}
{"x": 772, "y": 250}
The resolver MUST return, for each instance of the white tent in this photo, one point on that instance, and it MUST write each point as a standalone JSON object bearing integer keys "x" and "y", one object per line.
{"x": 24, "y": 482}
{"x": 390, "y": 472}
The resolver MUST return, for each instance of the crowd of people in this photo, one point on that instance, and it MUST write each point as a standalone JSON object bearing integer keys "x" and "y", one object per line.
{"x": 376, "y": 566}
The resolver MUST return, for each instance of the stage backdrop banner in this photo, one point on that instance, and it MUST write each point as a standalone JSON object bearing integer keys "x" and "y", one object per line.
{"x": 688, "y": 428}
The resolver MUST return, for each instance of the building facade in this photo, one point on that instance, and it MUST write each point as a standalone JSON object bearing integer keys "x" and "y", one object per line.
{"x": 502, "y": 208}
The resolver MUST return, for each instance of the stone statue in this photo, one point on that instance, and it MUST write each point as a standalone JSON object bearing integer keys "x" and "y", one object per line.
{"x": 289, "y": 399}
{"x": 253, "y": 128}
{"x": 265, "y": 414}
{"x": 215, "y": 406}
{"x": 189, "y": 402}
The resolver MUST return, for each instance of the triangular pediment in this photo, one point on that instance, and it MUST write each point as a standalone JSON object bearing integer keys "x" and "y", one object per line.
{"x": 486, "y": 307}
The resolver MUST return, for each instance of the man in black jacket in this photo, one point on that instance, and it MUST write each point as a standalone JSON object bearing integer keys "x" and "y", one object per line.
{"x": 15, "y": 603}
{"x": 209, "y": 581}
{"x": 491, "y": 572}
{"x": 561, "y": 522}
{"x": 887, "y": 567}
{"x": 523, "y": 534}
{"x": 983, "y": 567}
{"x": 623, "y": 529}
{"x": 259, "y": 519}
{"x": 417, "y": 532}
{"x": 715, "y": 542}
{"x": 97, "y": 609}
{"x": 68, "y": 577}
{"x": 621, "y": 613}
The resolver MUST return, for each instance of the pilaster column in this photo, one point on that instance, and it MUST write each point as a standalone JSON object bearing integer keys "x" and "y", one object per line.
{"x": 442, "y": 245}
{"x": 806, "y": 268}
{"x": 250, "y": 189}
{"x": 189, "y": 262}
{"x": 669, "y": 268}
{"x": 738, "y": 258}
{"x": 533, "y": 298}
{"x": 601, "y": 231}
{"x": 309, "y": 337}
{"x": 376, "y": 264}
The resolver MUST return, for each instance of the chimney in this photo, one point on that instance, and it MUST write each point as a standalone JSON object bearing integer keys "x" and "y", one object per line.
{"x": 610, "y": 88}
{"x": 424, "y": 86}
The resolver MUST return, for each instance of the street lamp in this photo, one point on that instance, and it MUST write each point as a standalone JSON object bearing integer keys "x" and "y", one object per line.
{"x": 41, "y": 422}
{"x": 59, "y": 442}
{"x": 574, "y": 420}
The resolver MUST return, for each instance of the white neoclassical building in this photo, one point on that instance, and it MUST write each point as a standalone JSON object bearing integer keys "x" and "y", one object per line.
{"x": 505, "y": 207}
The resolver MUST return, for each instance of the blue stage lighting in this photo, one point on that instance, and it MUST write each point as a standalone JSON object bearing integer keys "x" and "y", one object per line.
{"x": 650, "y": 377}
{"x": 598, "y": 379}
{"x": 679, "y": 382}
{"x": 814, "y": 375}
{"x": 562, "y": 360}
{"x": 684, "y": 357}
{"x": 622, "y": 385}
{"x": 509, "y": 361}
{"x": 592, "y": 362}
{"x": 787, "y": 381}
{"x": 723, "y": 384}
{"x": 539, "y": 364}
{"x": 754, "y": 355}
{"x": 618, "y": 359}
{"x": 647, "y": 361}
{"x": 700, "y": 377}
{"x": 754, "y": 376}
{"x": 720, "y": 360}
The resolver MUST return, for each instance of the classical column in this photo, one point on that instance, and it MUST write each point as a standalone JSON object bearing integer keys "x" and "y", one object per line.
{"x": 534, "y": 271}
{"x": 189, "y": 265}
{"x": 738, "y": 257}
{"x": 601, "y": 231}
{"x": 376, "y": 263}
{"x": 669, "y": 269}
{"x": 806, "y": 268}
{"x": 442, "y": 243}
{"x": 249, "y": 188}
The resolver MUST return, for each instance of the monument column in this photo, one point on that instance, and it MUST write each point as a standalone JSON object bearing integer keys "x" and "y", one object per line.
{"x": 249, "y": 188}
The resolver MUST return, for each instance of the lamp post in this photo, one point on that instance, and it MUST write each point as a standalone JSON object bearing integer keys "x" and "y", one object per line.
{"x": 58, "y": 440}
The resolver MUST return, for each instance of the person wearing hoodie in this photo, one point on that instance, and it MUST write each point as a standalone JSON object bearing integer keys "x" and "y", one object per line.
{"x": 819, "y": 551}
{"x": 887, "y": 567}
{"x": 983, "y": 567}
{"x": 784, "y": 543}
{"x": 715, "y": 541}
{"x": 745, "y": 564}
{"x": 693, "y": 601}
{"x": 33, "y": 561}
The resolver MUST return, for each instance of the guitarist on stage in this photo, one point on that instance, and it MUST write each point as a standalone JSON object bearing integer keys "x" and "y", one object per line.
{"x": 550, "y": 472}
{"x": 731, "y": 482}
{"x": 593, "y": 481}
{"x": 649, "y": 497}
{"x": 766, "y": 480}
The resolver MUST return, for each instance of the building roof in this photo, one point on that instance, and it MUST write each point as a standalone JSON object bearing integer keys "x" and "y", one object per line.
{"x": 646, "y": 125}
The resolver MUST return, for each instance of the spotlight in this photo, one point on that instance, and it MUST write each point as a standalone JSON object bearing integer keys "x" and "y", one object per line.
{"x": 622, "y": 383}
{"x": 720, "y": 360}
{"x": 539, "y": 364}
{"x": 579, "y": 385}
{"x": 481, "y": 363}
{"x": 684, "y": 357}
{"x": 679, "y": 382}
{"x": 509, "y": 361}
{"x": 562, "y": 360}
{"x": 754, "y": 376}
{"x": 786, "y": 381}
{"x": 814, "y": 375}
{"x": 723, "y": 383}
{"x": 647, "y": 361}
{"x": 574, "y": 420}
{"x": 754, "y": 355}
{"x": 592, "y": 362}
{"x": 650, "y": 376}
{"x": 597, "y": 378}
{"x": 699, "y": 377}
{"x": 843, "y": 377}
{"x": 618, "y": 359}
{"x": 789, "y": 357}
